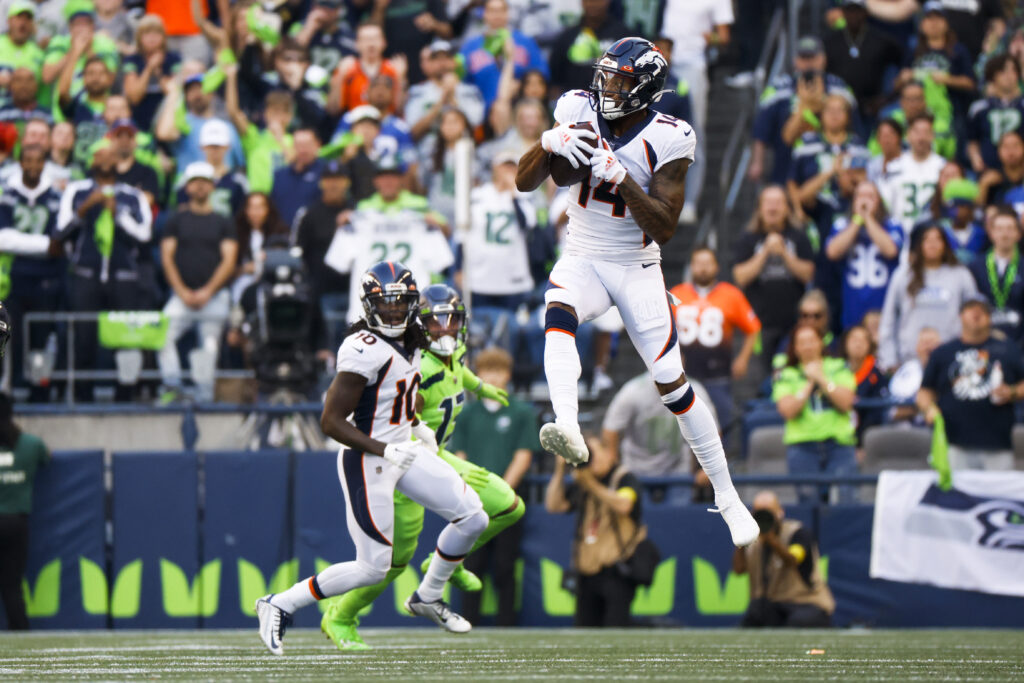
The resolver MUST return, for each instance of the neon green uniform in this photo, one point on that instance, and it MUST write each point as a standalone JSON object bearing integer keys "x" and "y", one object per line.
{"x": 443, "y": 390}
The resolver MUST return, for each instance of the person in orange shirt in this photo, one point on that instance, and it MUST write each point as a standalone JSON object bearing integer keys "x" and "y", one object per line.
{"x": 351, "y": 82}
{"x": 707, "y": 313}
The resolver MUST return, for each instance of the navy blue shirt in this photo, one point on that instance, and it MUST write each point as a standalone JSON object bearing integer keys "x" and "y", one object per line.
{"x": 675, "y": 103}
{"x": 777, "y": 102}
{"x": 988, "y": 120}
{"x": 33, "y": 212}
{"x": 866, "y": 272}
{"x": 1007, "y": 317}
{"x": 961, "y": 376}
{"x": 228, "y": 195}
{"x": 294, "y": 190}
{"x": 144, "y": 112}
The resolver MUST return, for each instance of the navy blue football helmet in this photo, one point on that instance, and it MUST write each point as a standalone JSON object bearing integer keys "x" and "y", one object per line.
{"x": 390, "y": 298}
{"x": 443, "y": 316}
{"x": 629, "y": 76}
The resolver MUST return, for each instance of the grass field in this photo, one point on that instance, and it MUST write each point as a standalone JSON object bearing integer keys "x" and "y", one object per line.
{"x": 495, "y": 654}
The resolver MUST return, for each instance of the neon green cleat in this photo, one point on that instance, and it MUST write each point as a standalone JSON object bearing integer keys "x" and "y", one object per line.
{"x": 343, "y": 635}
{"x": 462, "y": 578}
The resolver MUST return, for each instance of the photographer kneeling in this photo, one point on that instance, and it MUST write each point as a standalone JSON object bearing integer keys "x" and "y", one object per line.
{"x": 786, "y": 587}
{"x": 611, "y": 555}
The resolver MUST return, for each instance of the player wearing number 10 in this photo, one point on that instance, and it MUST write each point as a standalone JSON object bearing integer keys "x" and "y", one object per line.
{"x": 623, "y": 212}
{"x": 370, "y": 409}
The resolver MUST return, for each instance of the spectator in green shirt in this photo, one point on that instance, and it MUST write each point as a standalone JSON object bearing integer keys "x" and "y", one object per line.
{"x": 20, "y": 456}
{"x": 815, "y": 395}
{"x": 501, "y": 439}
{"x": 17, "y": 47}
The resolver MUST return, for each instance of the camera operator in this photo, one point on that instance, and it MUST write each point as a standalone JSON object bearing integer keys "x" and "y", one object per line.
{"x": 610, "y": 553}
{"x": 786, "y": 587}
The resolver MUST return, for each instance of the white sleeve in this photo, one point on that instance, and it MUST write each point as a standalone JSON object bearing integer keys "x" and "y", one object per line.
{"x": 13, "y": 241}
{"x": 436, "y": 244}
{"x": 681, "y": 143}
{"x": 360, "y": 357}
{"x": 569, "y": 108}
{"x": 721, "y": 13}
{"x": 341, "y": 253}
{"x": 66, "y": 214}
{"x": 141, "y": 229}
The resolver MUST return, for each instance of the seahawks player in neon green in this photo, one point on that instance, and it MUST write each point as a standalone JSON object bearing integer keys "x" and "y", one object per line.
{"x": 441, "y": 395}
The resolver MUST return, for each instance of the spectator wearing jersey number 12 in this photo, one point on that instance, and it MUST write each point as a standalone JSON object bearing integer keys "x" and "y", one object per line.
{"x": 707, "y": 314}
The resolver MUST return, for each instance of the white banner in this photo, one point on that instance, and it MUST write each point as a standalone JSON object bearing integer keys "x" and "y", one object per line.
{"x": 970, "y": 537}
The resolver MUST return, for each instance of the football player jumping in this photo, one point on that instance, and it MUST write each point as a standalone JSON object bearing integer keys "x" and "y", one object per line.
{"x": 618, "y": 220}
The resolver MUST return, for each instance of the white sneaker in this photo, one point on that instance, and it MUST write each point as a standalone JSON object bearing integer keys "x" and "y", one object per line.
{"x": 273, "y": 622}
{"x": 741, "y": 523}
{"x": 439, "y": 612}
{"x": 564, "y": 441}
{"x": 743, "y": 79}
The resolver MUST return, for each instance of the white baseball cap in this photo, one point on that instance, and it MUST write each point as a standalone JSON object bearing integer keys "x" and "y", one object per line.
{"x": 215, "y": 133}
{"x": 196, "y": 170}
{"x": 362, "y": 112}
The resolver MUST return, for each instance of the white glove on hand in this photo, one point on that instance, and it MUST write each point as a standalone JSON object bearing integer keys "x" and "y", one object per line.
{"x": 401, "y": 455}
{"x": 605, "y": 166}
{"x": 425, "y": 435}
{"x": 567, "y": 142}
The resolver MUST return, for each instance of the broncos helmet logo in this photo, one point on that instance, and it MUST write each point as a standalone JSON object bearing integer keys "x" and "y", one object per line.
{"x": 652, "y": 57}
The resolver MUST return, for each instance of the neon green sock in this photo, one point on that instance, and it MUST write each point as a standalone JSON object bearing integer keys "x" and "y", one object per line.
{"x": 352, "y": 603}
{"x": 500, "y": 522}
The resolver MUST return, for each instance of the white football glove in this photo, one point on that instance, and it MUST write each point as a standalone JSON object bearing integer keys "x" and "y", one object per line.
{"x": 567, "y": 142}
{"x": 402, "y": 454}
{"x": 605, "y": 166}
{"x": 425, "y": 435}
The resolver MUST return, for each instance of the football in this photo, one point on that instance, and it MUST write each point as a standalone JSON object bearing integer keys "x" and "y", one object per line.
{"x": 562, "y": 171}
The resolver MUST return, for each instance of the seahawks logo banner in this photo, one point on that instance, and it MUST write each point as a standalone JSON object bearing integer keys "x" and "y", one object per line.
{"x": 970, "y": 537}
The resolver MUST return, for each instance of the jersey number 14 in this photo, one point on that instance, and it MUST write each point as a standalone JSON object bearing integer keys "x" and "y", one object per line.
{"x": 605, "y": 192}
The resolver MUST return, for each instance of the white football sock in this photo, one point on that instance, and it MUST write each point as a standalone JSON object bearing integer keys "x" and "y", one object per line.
{"x": 562, "y": 370}
{"x": 334, "y": 580}
{"x": 457, "y": 542}
{"x": 697, "y": 426}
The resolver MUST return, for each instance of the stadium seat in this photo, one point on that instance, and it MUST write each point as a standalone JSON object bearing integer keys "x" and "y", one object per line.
{"x": 896, "y": 447}
{"x": 767, "y": 453}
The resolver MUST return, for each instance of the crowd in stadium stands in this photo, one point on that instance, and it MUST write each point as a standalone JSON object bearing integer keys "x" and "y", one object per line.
{"x": 170, "y": 149}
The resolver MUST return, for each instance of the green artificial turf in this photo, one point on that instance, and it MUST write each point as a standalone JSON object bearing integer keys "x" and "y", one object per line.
{"x": 520, "y": 654}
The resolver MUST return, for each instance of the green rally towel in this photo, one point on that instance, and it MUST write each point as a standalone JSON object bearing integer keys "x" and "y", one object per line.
{"x": 145, "y": 330}
{"x": 939, "y": 457}
{"x": 103, "y": 235}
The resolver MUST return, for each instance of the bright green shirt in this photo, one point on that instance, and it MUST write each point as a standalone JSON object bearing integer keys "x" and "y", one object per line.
{"x": 819, "y": 419}
{"x": 264, "y": 156}
{"x": 405, "y": 201}
{"x": 18, "y": 472}
{"x": 13, "y": 57}
{"x": 60, "y": 45}
{"x": 443, "y": 390}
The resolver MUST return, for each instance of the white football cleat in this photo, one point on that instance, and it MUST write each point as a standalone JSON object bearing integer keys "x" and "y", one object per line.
{"x": 741, "y": 523}
{"x": 439, "y": 612}
{"x": 564, "y": 441}
{"x": 273, "y": 622}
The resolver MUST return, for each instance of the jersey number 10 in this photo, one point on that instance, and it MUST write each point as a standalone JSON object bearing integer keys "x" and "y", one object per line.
{"x": 405, "y": 395}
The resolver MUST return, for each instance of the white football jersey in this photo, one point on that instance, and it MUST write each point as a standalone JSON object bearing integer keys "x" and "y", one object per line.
{"x": 495, "y": 257}
{"x": 908, "y": 186}
{"x": 600, "y": 225}
{"x": 388, "y": 404}
{"x": 374, "y": 236}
